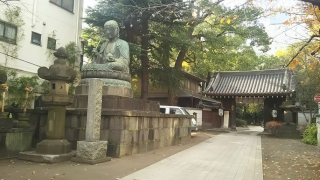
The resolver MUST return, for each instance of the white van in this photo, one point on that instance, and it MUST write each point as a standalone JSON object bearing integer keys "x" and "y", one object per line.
{"x": 181, "y": 111}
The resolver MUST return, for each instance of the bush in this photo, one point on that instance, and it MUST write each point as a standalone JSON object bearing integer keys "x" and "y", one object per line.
{"x": 241, "y": 123}
{"x": 273, "y": 126}
{"x": 309, "y": 136}
{"x": 302, "y": 128}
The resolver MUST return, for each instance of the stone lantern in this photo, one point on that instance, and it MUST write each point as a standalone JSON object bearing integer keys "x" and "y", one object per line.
{"x": 59, "y": 76}
{"x": 3, "y": 80}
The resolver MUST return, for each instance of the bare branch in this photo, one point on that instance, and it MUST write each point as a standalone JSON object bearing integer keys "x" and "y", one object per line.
{"x": 314, "y": 36}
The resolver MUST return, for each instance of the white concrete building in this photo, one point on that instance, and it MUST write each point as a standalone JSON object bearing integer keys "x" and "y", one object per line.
{"x": 48, "y": 24}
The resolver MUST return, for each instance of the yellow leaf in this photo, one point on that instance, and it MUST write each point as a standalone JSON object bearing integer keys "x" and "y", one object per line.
{"x": 228, "y": 21}
{"x": 221, "y": 21}
{"x": 293, "y": 64}
{"x": 193, "y": 14}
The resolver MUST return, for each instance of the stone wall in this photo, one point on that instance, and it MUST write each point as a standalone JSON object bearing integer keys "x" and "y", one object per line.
{"x": 127, "y": 132}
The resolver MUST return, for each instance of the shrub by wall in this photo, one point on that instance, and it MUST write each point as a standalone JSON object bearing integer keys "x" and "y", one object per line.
{"x": 309, "y": 136}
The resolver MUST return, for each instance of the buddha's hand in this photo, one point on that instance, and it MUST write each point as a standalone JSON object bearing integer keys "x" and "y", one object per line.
{"x": 95, "y": 52}
{"x": 110, "y": 57}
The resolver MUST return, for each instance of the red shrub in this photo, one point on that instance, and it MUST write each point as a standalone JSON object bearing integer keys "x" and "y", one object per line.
{"x": 273, "y": 126}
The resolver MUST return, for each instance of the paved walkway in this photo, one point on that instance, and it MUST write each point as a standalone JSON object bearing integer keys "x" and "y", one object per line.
{"x": 228, "y": 156}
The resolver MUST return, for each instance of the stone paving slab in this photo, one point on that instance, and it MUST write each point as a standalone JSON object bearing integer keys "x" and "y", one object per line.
{"x": 230, "y": 156}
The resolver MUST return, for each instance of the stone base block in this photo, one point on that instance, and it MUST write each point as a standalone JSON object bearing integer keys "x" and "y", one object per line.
{"x": 91, "y": 152}
{"x": 45, "y": 158}
{"x": 49, "y": 146}
{"x": 89, "y": 161}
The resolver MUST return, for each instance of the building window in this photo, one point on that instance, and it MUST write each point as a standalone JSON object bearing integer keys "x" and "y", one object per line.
{"x": 8, "y": 32}
{"x": 36, "y": 38}
{"x": 51, "y": 43}
{"x": 65, "y": 4}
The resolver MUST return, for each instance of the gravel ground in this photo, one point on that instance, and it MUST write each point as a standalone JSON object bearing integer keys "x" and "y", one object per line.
{"x": 289, "y": 158}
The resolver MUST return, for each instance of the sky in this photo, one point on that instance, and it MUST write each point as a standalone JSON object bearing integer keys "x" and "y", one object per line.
{"x": 283, "y": 35}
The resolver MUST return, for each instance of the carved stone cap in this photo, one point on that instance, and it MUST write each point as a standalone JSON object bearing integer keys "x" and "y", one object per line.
{"x": 61, "y": 53}
{"x": 59, "y": 70}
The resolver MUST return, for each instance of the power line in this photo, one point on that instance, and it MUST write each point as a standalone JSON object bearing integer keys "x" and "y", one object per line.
{"x": 21, "y": 59}
{"x": 30, "y": 11}
{"x": 27, "y": 10}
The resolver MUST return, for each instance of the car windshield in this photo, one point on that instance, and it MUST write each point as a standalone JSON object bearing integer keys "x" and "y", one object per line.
{"x": 185, "y": 111}
{"x": 163, "y": 110}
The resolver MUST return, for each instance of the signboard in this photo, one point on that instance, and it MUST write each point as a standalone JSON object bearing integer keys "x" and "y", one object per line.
{"x": 317, "y": 98}
{"x": 220, "y": 112}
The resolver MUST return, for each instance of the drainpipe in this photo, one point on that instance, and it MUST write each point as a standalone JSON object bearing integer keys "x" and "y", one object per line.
{"x": 34, "y": 13}
{"x": 78, "y": 22}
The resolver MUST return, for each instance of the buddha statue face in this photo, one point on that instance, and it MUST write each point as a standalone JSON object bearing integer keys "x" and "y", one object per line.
{"x": 110, "y": 32}
{"x": 111, "y": 29}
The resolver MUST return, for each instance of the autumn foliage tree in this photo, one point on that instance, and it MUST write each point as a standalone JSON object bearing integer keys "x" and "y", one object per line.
{"x": 303, "y": 56}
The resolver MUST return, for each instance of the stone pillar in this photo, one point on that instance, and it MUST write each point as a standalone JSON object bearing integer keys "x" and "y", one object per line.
{"x": 93, "y": 151}
{"x": 94, "y": 110}
{"x": 233, "y": 115}
{"x": 56, "y": 122}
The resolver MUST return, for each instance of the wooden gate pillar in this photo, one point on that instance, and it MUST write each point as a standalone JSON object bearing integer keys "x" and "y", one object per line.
{"x": 230, "y": 105}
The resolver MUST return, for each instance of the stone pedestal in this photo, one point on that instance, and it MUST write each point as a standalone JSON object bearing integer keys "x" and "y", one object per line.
{"x": 15, "y": 140}
{"x": 45, "y": 158}
{"x": 49, "y": 151}
{"x": 91, "y": 152}
{"x": 23, "y": 121}
{"x": 48, "y": 146}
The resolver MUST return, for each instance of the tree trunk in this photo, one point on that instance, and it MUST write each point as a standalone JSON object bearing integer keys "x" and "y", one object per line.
{"x": 183, "y": 51}
{"x": 180, "y": 57}
{"x": 144, "y": 55}
{"x": 130, "y": 38}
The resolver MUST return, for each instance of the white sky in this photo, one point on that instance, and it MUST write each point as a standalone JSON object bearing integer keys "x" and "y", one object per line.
{"x": 282, "y": 35}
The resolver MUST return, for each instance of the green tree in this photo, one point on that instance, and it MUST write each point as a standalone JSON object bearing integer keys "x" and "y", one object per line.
{"x": 169, "y": 33}
{"x": 228, "y": 40}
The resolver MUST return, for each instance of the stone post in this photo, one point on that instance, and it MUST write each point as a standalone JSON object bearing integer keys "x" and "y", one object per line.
{"x": 318, "y": 126}
{"x": 93, "y": 151}
{"x": 94, "y": 110}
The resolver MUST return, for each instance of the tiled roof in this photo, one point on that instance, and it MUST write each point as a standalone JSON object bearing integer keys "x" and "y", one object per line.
{"x": 251, "y": 83}
{"x": 314, "y": 2}
{"x": 187, "y": 93}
